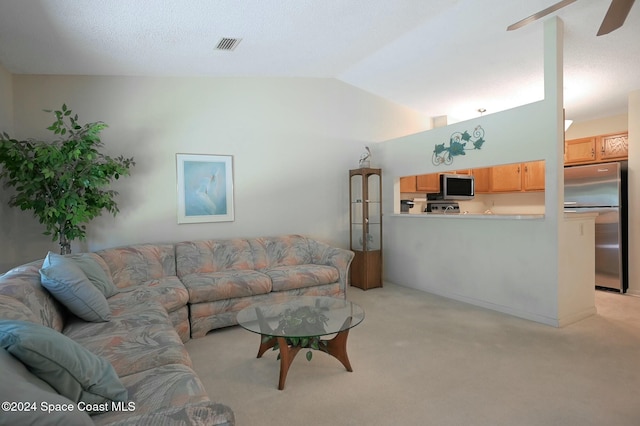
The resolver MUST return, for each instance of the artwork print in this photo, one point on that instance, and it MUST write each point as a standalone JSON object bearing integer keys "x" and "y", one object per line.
{"x": 205, "y": 188}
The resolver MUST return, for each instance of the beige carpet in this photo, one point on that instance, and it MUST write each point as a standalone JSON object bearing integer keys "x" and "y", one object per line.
{"x": 420, "y": 359}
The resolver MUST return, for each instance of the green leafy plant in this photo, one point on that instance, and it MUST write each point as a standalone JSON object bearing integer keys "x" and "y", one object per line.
{"x": 308, "y": 323}
{"x": 64, "y": 182}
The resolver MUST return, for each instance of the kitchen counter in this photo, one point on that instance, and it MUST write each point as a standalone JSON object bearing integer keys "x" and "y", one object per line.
{"x": 472, "y": 216}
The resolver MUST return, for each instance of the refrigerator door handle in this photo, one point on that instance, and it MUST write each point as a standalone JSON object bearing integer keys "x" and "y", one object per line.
{"x": 570, "y": 203}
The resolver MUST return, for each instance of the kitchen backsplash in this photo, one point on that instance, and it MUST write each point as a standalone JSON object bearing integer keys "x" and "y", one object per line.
{"x": 512, "y": 203}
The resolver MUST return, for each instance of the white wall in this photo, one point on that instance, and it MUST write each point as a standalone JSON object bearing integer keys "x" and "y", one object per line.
{"x": 292, "y": 141}
{"x": 513, "y": 266}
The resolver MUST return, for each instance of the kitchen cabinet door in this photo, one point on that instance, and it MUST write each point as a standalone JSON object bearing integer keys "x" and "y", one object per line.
{"x": 482, "y": 179}
{"x": 428, "y": 183}
{"x": 580, "y": 151}
{"x": 506, "y": 178}
{"x": 533, "y": 177}
{"x": 613, "y": 147}
{"x": 408, "y": 184}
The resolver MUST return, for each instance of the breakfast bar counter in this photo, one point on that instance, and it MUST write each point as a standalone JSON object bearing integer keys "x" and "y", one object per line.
{"x": 483, "y": 216}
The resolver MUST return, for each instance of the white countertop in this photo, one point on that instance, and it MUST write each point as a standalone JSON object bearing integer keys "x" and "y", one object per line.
{"x": 472, "y": 216}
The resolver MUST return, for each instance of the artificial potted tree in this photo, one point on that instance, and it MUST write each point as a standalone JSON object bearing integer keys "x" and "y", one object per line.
{"x": 64, "y": 182}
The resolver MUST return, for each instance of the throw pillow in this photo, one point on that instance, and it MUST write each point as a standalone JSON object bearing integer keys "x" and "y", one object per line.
{"x": 95, "y": 273}
{"x": 69, "y": 368}
{"x": 71, "y": 287}
{"x": 20, "y": 386}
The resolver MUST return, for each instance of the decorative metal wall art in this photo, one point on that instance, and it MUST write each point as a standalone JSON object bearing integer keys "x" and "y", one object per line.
{"x": 457, "y": 146}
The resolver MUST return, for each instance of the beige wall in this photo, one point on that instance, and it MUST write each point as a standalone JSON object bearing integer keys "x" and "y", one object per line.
{"x": 292, "y": 142}
{"x": 601, "y": 126}
{"x": 6, "y": 99}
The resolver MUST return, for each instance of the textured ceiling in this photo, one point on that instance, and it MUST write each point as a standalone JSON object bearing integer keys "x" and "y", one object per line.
{"x": 440, "y": 57}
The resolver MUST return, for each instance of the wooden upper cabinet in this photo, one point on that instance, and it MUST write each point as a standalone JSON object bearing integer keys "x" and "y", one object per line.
{"x": 408, "y": 184}
{"x": 506, "y": 178}
{"x": 428, "y": 183}
{"x": 533, "y": 177}
{"x": 580, "y": 151}
{"x": 613, "y": 147}
{"x": 482, "y": 179}
{"x": 597, "y": 149}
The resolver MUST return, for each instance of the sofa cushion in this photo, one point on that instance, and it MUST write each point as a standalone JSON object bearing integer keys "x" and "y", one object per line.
{"x": 225, "y": 285}
{"x": 13, "y": 309}
{"x": 168, "y": 291}
{"x": 291, "y": 277}
{"x": 19, "y": 385}
{"x": 23, "y": 284}
{"x": 70, "y": 369}
{"x": 89, "y": 263}
{"x": 158, "y": 388}
{"x": 205, "y": 256}
{"x": 136, "y": 264}
{"x": 287, "y": 250}
{"x": 202, "y": 413}
{"x": 71, "y": 287}
{"x": 137, "y": 341}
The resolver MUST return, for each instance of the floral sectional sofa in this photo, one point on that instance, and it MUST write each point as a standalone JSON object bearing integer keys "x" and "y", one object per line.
{"x": 98, "y": 338}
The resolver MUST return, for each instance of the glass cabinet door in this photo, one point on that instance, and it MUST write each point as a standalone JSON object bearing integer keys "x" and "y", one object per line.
{"x": 374, "y": 215}
{"x": 366, "y": 210}
{"x": 365, "y": 214}
{"x": 357, "y": 213}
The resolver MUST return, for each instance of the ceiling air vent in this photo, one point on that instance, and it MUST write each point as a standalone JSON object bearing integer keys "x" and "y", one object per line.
{"x": 228, "y": 43}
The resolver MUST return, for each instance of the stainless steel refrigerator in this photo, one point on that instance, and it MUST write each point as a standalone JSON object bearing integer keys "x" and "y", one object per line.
{"x": 602, "y": 189}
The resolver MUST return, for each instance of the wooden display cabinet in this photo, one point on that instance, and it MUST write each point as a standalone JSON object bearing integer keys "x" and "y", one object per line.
{"x": 365, "y": 225}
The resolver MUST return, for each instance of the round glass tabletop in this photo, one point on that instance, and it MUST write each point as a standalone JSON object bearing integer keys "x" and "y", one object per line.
{"x": 301, "y": 316}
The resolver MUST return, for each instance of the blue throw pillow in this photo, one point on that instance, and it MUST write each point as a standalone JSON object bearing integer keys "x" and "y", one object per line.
{"x": 69, "y": 368}
{"x": 98, "y": 277}
{"x": 70, "y": 286}
{"x": 23, "y": 387}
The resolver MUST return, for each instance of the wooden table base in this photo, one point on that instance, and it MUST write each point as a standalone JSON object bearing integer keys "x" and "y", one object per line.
{"x": 336, "y": 347}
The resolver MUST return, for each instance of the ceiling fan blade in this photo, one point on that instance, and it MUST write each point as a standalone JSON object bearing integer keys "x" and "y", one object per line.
{"x": 616, "y": 15}
{"x": 540, "y": 14}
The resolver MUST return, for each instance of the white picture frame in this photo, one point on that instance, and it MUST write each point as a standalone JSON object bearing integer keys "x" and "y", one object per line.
{"x": 205, "y": 188}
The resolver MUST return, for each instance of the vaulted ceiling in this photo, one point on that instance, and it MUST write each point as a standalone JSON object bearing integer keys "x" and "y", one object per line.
{"x": 440, "y": 57}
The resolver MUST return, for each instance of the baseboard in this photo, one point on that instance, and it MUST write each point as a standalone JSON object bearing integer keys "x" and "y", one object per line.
{"x": 577, "y": 316}
{"x": 554, "y": 322}
{"x": 635, "y": 293}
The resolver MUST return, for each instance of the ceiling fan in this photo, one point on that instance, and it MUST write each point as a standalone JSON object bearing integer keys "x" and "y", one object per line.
{"x": 615, "y": 17}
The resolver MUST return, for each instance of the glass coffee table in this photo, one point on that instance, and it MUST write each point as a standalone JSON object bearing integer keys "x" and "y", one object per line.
{"x": 293, "y": 323}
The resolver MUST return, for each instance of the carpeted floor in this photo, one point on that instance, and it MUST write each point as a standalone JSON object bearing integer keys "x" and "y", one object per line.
{"x": 420, "y": 359}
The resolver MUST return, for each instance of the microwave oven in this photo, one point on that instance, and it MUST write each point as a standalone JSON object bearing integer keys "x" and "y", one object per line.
{"x": 456, "y": 187}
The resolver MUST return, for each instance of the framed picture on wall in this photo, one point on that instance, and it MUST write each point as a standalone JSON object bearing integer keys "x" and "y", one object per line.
{"x": 205, "y": 188}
